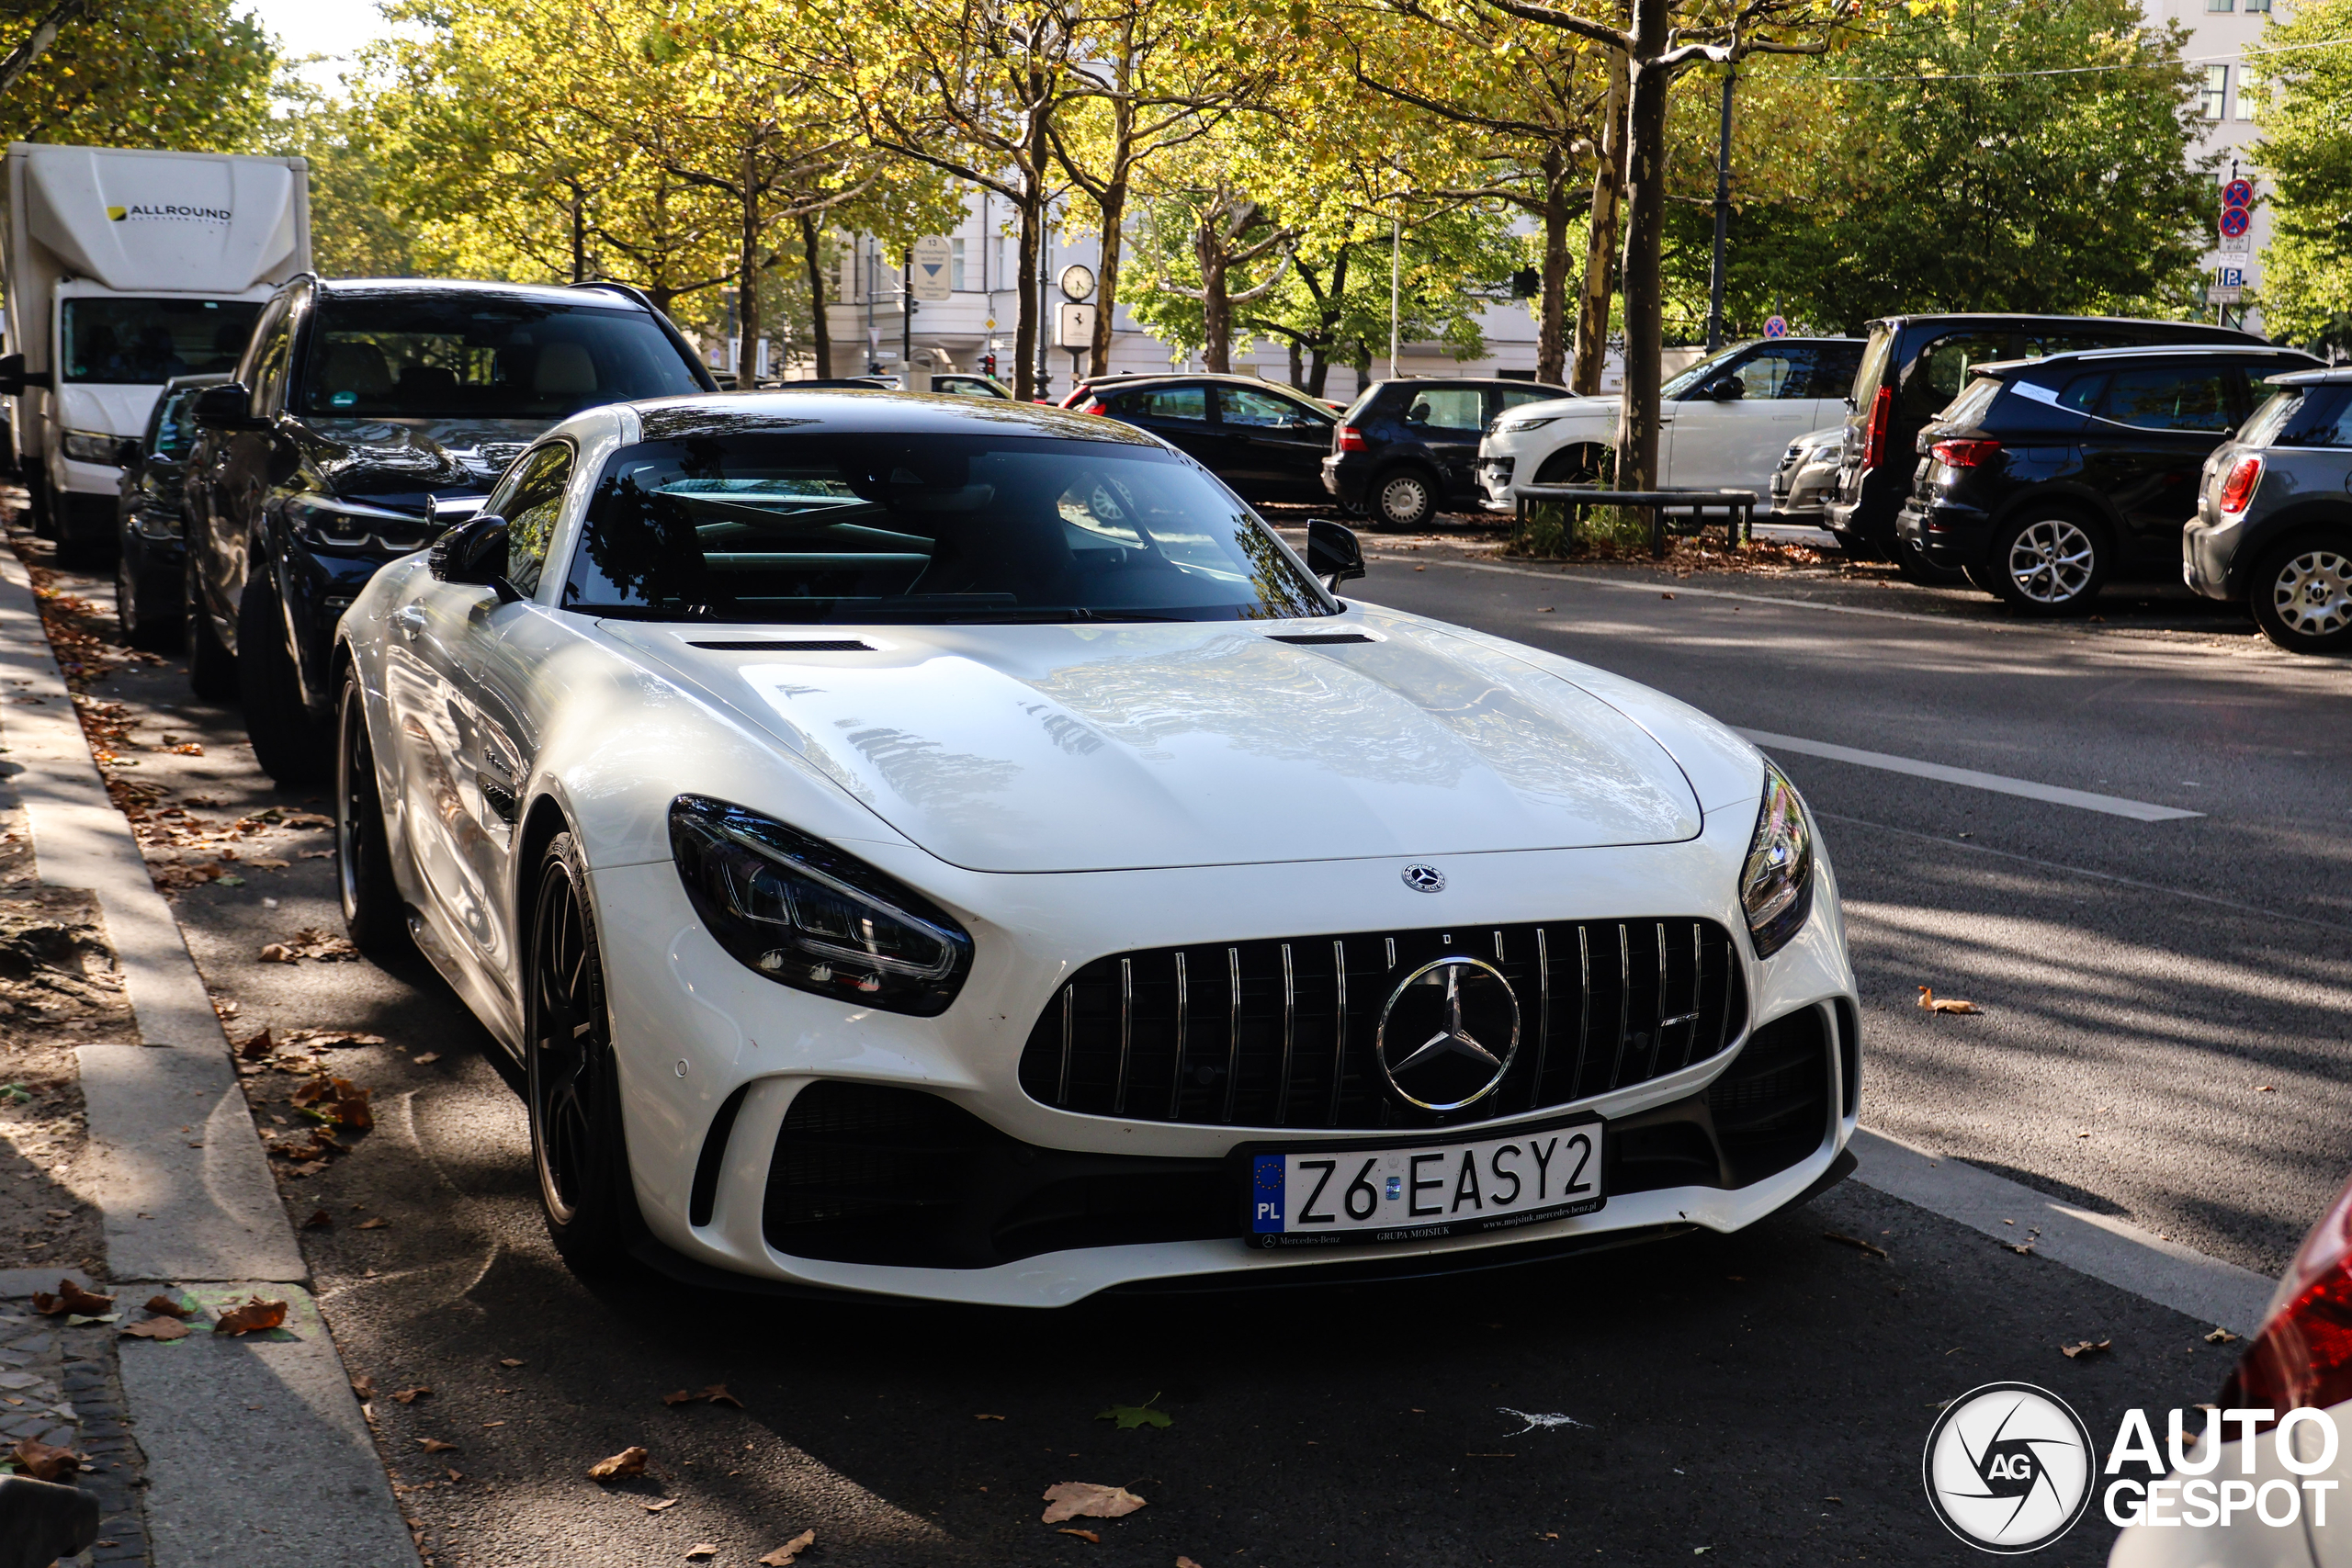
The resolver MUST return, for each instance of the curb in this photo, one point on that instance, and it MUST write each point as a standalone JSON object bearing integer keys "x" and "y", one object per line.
{"x": 257, "y": 1453}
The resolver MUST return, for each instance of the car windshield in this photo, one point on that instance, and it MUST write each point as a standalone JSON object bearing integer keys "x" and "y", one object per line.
{"x": 762, "y": 526}
{"x": 148, "y": 342}
{"x": 1699, "y": 375}
{"x": 455, "y": 356}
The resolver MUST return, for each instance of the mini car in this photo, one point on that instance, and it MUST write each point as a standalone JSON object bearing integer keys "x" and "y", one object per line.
{"x": 951, "y": 848}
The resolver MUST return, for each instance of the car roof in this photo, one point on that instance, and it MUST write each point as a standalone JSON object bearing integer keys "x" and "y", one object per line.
{"x": 535, "y": 293}
{"x": 2206, "y": 331}
{"x": 2322, "y": 375}
{"x": 1224, "y": 378}
{"x": 876, "y": 412}
{"x": 2137, "y": 351}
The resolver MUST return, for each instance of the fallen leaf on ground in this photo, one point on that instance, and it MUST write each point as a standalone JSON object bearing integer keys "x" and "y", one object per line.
{"x": 1873, "y": 1248}
{"x": 1933, "y": 1003}
{"x": 2022, "y": 1248}
{"x": 379, "y": 1223}
{"x": 410, "y": 1396}
{"x": 259, "y": 1047}
{"x": 325, "y": 947}
{"x": 319, "y": 1221}
{"x": 680, "y": 1397}
{"x": 436, "y": 1446}
{"x": 700, "y": 1551}
{"x": 254, "y": 1315}
{"x": 425, "y": 1059}
{"x": 508, "y": 1362}
{"x": 166, "y": 1306}
{"x": 266, "y": 863}
{"x": 1130, "y": 1417}
{"x": 157, "y": 1328}
{"x": 1083, "y": 1535}
{"x": 306, "y": 819}
{"x": 783, "y": 1556}
{"x": 316, "y": 854}
{"x": 70, "y": 1297}
{"x": 364, "y": 1386}
{"x": 37, "y": 1459}
{"x": 1085, "y": 1500}
{"x": 328, "y": 1039}
{"x": 627, "y": 1462}
{"x": 339, "y": 1100}
{"x": 2220, "y": 1337}
{"x": 987, "y": 1417}
{"x": 657, "y": 1508}
{"x": 1188, "y": 1562}
{"x": 2086, "y": 1348}
{"x": 2266, "y": 1089}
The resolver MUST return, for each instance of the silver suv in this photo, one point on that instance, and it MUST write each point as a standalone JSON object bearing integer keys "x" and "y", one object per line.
{"x": 2274, "y": 515}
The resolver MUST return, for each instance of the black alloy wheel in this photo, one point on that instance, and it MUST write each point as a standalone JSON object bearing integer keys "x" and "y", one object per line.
{"x": 2048, "y": 562}
{"x": 577, "y": 1145}
{"x": 374, "y": 915}
{"x": 286, "y": 743}
{"x": 2300, "y": 594}
{"x": 211, "y": 667}
{"x": 1405, "y": 498}
{"x": 142, "y": 625}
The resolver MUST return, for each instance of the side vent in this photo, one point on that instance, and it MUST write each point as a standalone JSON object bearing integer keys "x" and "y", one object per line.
{"x": 1771, "y": 1107}
{"x": 1319, "y": 639}
{"x": 1849, "y": 1059}
{"x": 819, "y": 645}
{"x": 703, "y": 1201}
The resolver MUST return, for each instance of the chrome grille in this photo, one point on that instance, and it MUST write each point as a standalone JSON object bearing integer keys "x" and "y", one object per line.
{"x": 1280, "y": 1033}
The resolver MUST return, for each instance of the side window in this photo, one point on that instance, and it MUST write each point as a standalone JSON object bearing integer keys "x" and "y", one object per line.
{"x": 1247, "y": 406}
{"x": 1777, "y": 373}
{"x": 2040, "y": 345}
{"x": 1834, "y": 365}
{"x": 2192, "y": 397}
{"x": 1448, "y": 408}
{"x": 1942, "y": 367}
{"x": 2081, "y": 394}
{"x": 531, "y": 499}
{"x": 1510, "y": 398}
{"x": 1167, "y": 402}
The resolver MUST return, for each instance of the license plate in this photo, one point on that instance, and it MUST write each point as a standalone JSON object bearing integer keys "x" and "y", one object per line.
{"x": 1391, "y": 1191}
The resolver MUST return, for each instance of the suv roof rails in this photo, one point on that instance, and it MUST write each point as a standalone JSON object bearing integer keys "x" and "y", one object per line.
{"x": 630, "y": 291}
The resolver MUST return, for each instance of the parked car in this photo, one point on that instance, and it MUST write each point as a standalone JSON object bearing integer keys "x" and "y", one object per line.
{"x": 2046, "y": 478}
{"x": 364, "y": 415}
{"x": 852, "y": 812}
{"x": 1263, "y": 440}
{"x": 151, "y": 518}
{"x": 1913, "y": 367}
{"x": 2274, "y": 515}
{"x": 1406, "y": 450}
{"x": 2300, "y": 1358}
{"x": 1725, "y": 422}
{"x": 1808, "y": 476}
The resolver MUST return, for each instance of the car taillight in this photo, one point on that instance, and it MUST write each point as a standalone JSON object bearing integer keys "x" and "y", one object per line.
{"x": 2238, "y": 488}
{"x": 1351, "y": 439}
{"x": 1965, "y": 454}
{"x": 1874, "y": 434}
{"x": 1091, "y": 405}
{"x": 2303, "y": 1355}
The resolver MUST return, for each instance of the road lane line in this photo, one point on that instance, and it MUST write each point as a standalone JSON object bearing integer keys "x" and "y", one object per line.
{"x": 2113, "y": 804}
{"x": 2106, "y": 1248}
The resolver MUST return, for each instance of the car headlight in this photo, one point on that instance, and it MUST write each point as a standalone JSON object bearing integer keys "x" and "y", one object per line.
{"x": 338, "y": 521}
{"x": 94, "y": 447}
{"x": 808, "y": 915}
{"x": 1776, "y": 883}
{"x": 1513, "y": 427}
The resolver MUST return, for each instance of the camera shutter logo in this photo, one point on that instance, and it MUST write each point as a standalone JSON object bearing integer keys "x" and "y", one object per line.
{"x": 2008, "y": 1468}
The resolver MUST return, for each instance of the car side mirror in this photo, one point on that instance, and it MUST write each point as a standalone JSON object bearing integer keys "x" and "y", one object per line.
{"x": 15, "y": 377}
{"x": 1726, "y": 390}
{"x": 1333, "y": 552}
{"x": 474, "y": 552}
{"x": 229, "y": 406}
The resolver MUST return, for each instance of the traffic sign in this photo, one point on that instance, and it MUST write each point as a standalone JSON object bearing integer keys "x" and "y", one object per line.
{"x": 2221, "y": 294}
{"x": 2229, "y": 277}
{"x": 2234, "y": 245}
{"x": 1075, "y": 328}
{"x": 1776, "y": 326}
{"x": 2238, "y": 193}
{"x": 2236, "y": 221}
{"x": 932, "y": 277}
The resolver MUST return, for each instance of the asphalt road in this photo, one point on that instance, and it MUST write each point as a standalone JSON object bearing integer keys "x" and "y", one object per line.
{"x": 1754, "y": 1399}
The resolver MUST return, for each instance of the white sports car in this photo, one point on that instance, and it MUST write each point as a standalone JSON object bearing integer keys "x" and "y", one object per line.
{"x": 955, "y": 849}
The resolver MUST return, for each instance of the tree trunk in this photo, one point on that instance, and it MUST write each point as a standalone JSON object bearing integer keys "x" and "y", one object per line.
{"x": 1637, "y": 417}
{"x": 1551, "y": 345}
{"x": 821, "y": 337}
{"x": 1024, "y": 320}
{"x": 1318, "y": 370}
{"x": 1600, "y": 243}
{"x": 1217, "y": 310}
{"x": 579, "y": 236}
{"x": 1106, "y": 278}
{"x": 747, "y": 279}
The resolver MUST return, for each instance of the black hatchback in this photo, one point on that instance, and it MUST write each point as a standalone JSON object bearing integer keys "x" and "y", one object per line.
{"x": 1407, "y": 449}
{"x": 2047, "y": 478}
{"x": 1265, "y": 442}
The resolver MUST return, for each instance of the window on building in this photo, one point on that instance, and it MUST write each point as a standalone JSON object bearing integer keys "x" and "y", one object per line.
{"x": 2217, "y": 92}
{"x": 2221, "y": 4}
{"x": 955, "y": 266}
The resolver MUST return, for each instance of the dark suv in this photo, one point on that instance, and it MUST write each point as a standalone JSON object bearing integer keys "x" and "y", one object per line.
{"x": 2047, "y": 477}
{"x": 364, "y": 417}
{"x": 1914, "y": 366}
{"x": 2274, "y": 515}
{"x": 1407, "y": 449}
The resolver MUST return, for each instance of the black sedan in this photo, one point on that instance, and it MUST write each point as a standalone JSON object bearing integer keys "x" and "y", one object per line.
{"x": 2046, "y": 478}
{"x": 151, "y": 519}
{"x": 1407, "y": 449}
{"x": 1266, "y": 441}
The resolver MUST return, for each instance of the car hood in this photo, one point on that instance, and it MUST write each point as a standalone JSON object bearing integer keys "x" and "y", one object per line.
{"x": 1061, "y": 749}
{"x": 399, "y": 462}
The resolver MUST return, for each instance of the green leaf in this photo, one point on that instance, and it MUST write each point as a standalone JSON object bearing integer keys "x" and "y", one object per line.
{"x": 1130, "y": 1417}
{"x": 229, "y": 881}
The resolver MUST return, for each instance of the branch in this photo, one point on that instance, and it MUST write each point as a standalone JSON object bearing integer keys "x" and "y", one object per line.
{"x": 1565, "y": 21}
{"x": 20, "y": 58}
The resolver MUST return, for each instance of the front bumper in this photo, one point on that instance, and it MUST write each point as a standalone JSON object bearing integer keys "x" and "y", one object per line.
{"x": 715, "y": 1058}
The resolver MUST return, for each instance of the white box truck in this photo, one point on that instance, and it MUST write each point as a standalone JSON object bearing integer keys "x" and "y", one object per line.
{"x": 123, "y": 269}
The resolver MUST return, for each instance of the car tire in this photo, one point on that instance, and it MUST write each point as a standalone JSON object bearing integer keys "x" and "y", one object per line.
{"x": 2300, "y": 594}
{"x": 141, "y": 627}
{"x": 211, "y": 667}
{"x": 374, "y": 915}
{"x": 2044, "y": 561}
{"x": 287, "y": 743}
{"x": 1979, "y": 576}
{"x": 579, "y": 1148}
{"x": 1583, "y": 464}
{"x": 1404, "y": 498}
{"x": 37, "y": 507}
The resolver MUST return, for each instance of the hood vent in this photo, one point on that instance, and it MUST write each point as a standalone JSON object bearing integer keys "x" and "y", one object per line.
{"x": 837, "y": 645}
{"x": 1317, "y": 640}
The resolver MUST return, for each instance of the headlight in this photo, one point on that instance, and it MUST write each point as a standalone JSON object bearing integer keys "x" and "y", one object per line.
{"x": 1776, "y": 883}
{"x": 1512, "y": 427}
{"x": 94, "y": 447}
{"x": 346, "y": 521}
{"x": 804, "y": 913}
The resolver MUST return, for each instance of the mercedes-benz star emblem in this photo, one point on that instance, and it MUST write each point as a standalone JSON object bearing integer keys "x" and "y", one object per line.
{"x": 1422, "y": 877}
{"x": 1448, "y": 1033}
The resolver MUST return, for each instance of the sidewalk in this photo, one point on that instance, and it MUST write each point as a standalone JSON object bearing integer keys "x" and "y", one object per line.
{"x": 255, "y": 1451}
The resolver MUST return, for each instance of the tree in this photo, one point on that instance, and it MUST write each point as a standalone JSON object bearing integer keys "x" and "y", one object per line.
{"x": 190, "y": 76}
{"x": 2303, "y": 100}
{"x": 352, "y": 232}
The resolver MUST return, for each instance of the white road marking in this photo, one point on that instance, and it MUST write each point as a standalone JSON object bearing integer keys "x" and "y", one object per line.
{"x": 2113, "y": 804}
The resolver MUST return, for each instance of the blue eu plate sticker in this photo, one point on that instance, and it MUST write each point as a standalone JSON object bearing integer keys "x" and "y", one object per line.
{"x": 1266, "y": 1195}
